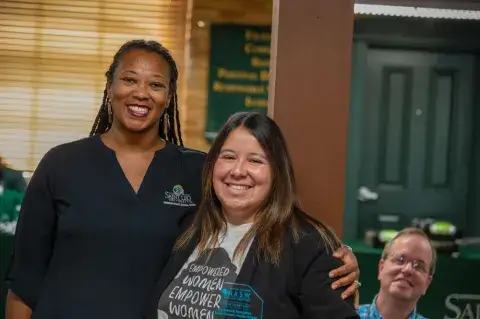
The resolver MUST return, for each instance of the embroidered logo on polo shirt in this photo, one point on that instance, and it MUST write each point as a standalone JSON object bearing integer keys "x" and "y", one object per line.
{"x": 178, "y": 197}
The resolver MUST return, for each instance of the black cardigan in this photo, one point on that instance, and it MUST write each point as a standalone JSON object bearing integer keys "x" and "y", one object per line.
{"x": 298, "y": 287}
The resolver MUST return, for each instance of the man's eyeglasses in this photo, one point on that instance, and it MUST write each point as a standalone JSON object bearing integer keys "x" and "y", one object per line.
{"x": 417, "y": 265}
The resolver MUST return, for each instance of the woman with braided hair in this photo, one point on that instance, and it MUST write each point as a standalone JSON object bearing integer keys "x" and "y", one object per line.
{"x": 103, "y": 121}
{"x": 101, "y": 214}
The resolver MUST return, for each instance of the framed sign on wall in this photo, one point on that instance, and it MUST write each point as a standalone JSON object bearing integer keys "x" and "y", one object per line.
{"x": 238, "y": 74}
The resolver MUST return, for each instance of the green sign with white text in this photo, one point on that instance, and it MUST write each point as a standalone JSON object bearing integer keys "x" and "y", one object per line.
{"x": 238, "y": 77}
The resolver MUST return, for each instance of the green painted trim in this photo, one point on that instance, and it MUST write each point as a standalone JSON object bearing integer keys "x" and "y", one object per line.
{"x": 429, "y": 34}
{"x": 354, "y": 141}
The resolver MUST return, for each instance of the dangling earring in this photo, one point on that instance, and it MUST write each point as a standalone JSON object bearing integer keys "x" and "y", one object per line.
{"x": 167, "y": 121}
{"x": 110, "y": 112}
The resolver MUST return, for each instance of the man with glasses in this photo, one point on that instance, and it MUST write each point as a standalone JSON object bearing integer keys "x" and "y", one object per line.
{"x": 405, "y": 272}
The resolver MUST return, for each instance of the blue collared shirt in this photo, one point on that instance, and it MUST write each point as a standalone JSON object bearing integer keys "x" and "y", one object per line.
{"x": 371, "y": 312}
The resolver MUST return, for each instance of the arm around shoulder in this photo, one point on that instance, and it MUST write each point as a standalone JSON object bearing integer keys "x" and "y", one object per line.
{"x": 33, "y": 243}
{"x": 317, "y": 298}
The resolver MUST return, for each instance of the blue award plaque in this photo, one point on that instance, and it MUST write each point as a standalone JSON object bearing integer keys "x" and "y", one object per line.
{"x": 240, "y": 301}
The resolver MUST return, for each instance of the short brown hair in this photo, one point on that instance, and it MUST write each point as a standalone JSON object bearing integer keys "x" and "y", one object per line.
{"x": 412, "y": 231}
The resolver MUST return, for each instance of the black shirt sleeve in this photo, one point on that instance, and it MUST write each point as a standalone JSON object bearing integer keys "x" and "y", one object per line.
{"x": 34, "y": 236}
{"x": 317, "y": 298}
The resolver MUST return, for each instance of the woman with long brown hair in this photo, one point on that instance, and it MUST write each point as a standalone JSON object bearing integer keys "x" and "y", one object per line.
{"x": 251, "y": 252}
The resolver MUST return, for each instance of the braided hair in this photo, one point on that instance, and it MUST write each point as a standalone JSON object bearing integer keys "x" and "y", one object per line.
{"x": 172, "y": 134}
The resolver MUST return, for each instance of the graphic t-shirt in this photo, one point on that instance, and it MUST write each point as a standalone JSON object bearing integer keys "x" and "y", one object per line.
{"x": 197, "y": 290}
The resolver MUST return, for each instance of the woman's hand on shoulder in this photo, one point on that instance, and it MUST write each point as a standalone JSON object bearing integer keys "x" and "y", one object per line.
{"x": 348, "y": 274}
{"x": 316, "y": 296}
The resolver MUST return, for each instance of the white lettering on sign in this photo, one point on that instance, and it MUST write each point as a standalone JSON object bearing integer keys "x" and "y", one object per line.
{"x": 462, "y": 306}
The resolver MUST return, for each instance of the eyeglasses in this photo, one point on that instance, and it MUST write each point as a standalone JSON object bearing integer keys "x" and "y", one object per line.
{"x": 417, "y": 265}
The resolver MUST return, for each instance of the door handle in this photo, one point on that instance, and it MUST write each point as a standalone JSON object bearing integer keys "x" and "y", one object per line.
{"x": 366, "y": 195}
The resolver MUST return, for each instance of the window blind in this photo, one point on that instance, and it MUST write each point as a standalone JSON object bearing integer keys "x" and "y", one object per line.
{"x": 53, "y": 56}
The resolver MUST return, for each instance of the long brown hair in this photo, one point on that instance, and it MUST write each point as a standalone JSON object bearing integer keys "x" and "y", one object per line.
{"x": 280, "y": 209}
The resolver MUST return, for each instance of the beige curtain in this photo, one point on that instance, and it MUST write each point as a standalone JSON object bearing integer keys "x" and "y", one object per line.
{"x": 53, "y": 56}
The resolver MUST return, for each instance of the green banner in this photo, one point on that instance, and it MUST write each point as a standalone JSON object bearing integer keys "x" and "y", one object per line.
{"x": 238, "y": 78}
